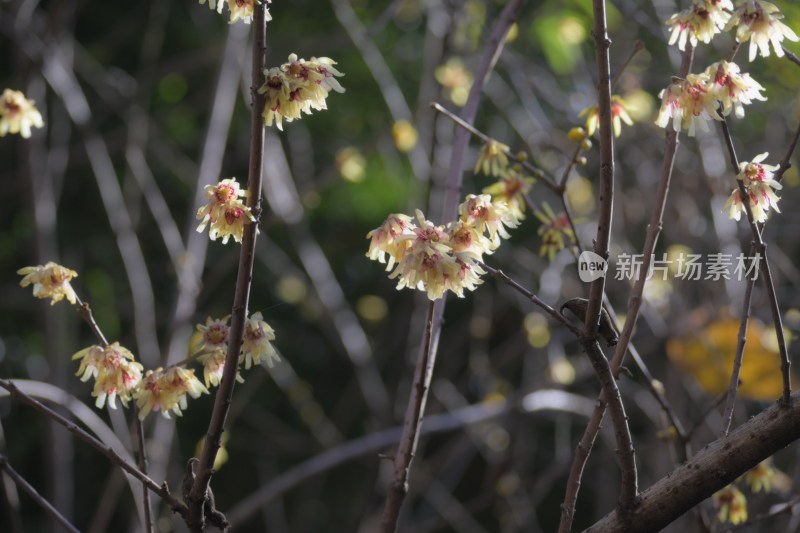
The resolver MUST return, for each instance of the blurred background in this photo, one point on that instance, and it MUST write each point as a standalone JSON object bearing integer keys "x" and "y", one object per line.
{"x": 145, "y": 103}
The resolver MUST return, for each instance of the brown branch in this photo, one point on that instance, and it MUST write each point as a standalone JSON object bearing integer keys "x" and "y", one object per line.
{"x": 632, "y": 315}
{"x": 162, "y": 490}
{"x": 148, "y": 518}
{"x": 34, "y": 494}
{"x": 410, "y": 438}
{"x": 714, "y": 467}
{"x": 222, "y": 401}
{"x": 85, "y": 311}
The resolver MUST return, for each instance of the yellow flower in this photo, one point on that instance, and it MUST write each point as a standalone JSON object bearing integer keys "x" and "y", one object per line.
{"x": 489, "y": 216}
{"x": 760, "y": 22}
{"x": 297, "y": 87}
{"x": 115, "y": 370}
{"x": 732, "y": 505}
{"x": 239, "y": 9}
{"x": 49, "y": 281}
{"x": 456, "y": 79}
{"x": 553, "y": 230}
{"x": 687, "y": 103}
{"x": 619, "y": 114}
{"x": 166, "y": 390}
{"x": 225, "y": 211}
{"x": 18, "y": 114}
{"x": 256, "y": 346}
{"x": 384, "y": 240}
{"x": 759, "y": 184}
{"x": 213, "y": 365}
{"x": 215, "y": 334}
{"x": 731, "y": 88}
{"x": 511, "y": 189}
{"x": 760, "y": 477}
{"x": 493, "y": 159}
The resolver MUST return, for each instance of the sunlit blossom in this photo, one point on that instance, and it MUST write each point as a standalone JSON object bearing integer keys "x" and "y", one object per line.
{"x": 758, "y": 180}
{"x": 49, "y": 281}
{"x": 384, "y": 239}
{"x": 225, "y": 211}
{"x": 686, "y": 103}
{"x": 298, "y": 87}
{"x": 18, "y": 114}
{"x": 115, "y": 371}
{"x": 699, "y": 23}
{"x": 760, "y": 22}
{"x": 239, "y": 9}
{"x": 488, "y": 216}
{"x": 512, "y": 189}
{"x": 166, "y": 390}
{"x": 257, "y": 345}
{"x": 732, "y": 89}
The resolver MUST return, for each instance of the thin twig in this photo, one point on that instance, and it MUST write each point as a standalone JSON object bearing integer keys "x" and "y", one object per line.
{"x": 625, "y": 452}
{"x": 527, "y": 165}
{"x": 34, "y": 494}
{"x": 733, "y": 386}
{"x": 408, "y": 442}
{"x": 761, "y": 249}
{"x": 85, "y": 311}
{"x": 502, "y": 276}
{"x": 162, "y": 490}
{"x": 148, "y": 518}
{"x": 637, "y": 47}
{"x": 222, "y": 401}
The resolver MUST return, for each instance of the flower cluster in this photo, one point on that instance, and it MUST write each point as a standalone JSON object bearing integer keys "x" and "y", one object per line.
{"x": 225, "y": 211}
{"x": 701, "y": 22}
{"x": 115, "y": 371}
{"x": 18, "y": 114}
{"x": 759, "y": 184}
{"x": 435, "y": 258}
{"x": 298, "y": 87}
{"x": 49, "y": 281}
{"x": 165, "y": 390}
{"x": 760, "y": 23}
{"x": 619, "y": 114}
{"x": 511, "y": 189}
{"x": 712, "y": 94}
{"x": 213, "y": 346}
{"x": 553, "y": 231}
{"x": 239, "y": 9}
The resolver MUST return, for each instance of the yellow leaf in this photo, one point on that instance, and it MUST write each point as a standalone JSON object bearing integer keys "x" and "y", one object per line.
{"x": 707, "y": 355}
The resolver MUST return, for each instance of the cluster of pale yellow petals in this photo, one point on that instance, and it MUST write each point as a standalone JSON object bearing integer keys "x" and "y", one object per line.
{"x": 732, "y": 505}
{"x": 512, "y": 190}
{"x": 225, "y": 211}
{"x": 760, "y": 478}
{"x": 759, "y": 184}
{"x": 492, "y": 159}
{"x": 298, "y": 87}
{"x": 165, "y": 390}
{"x": 619, "y": 114}
{"x": 553, "y": 231}
{"x": 256, "y": 348}
{"x": 239, "y": 9}
{"x": 49, "y": 281}
{"x": 760, "y": 22}
{"x": 721, "y": 88}
{"x": 436, "y": 259}
{"x": 18, "y": 114}
{"x": 700, "y": 22}
{"x": 115, "y": 371}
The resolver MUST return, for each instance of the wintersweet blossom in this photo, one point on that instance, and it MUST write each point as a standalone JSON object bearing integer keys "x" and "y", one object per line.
{"x": 18, "y": 114}
{"x": 257, "y": 347}
{"x": 225, "y": 211}
{"x": 115, "y": 370}
{"x": 485, "y": 215}
{"x": 687, "y": 103}
{"x": 732, "y": 89}
{"x": 511, "y": 189}
{"x": 49, "y": 281}
{"x": 761, "y": 476}
{"x": 213, "y": 366}
{"x": 165, "y": 390}
{"x": 760, "y": 22}
{"x": 619, "y": 114}
{"x": 492, "y": 159}
{"x": 239, "y": 9}
{"x": 215, "y": 334}
{"x": 384, "y": 239}
{"x": 732, "y": 505}
{"x": 759, "y": 182}
{"x": 553, "y": 230}
{"x": 700, "y": 22}
{"x": 297, "y": 87}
